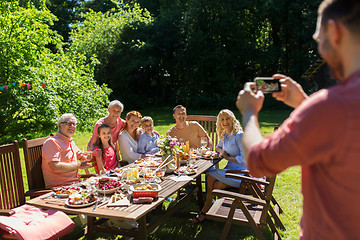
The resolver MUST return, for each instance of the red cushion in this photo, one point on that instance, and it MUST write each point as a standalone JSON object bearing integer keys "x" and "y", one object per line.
{"x": 30, "y": 222}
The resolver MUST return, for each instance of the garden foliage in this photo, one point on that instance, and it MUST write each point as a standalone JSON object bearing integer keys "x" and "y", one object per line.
{"x": 149, "y": 52}
{"x": 67, "y": 79}
{"x": 197, "y": 53}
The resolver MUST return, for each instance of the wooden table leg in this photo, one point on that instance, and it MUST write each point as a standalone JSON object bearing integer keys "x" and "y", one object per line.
{"x": 90, "y": 228}
{"x": 142, "y": 228}
{"x": 199, "y": 192}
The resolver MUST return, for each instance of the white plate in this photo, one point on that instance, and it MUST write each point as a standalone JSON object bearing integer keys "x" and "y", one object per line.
{"x": 63, "y": 195}
{"x": 185, "y": 172}
{"x": 78, "y": 205}
{"x": 211, "y": 155}
{"x": 122, "y": 202}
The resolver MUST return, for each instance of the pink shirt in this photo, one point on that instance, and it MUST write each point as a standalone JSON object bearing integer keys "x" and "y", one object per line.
{"x": 120, "y": 123}
{"x": 321, "y": 135}
{"x": 59, "y": 148}
{"x": 110, "y": 160}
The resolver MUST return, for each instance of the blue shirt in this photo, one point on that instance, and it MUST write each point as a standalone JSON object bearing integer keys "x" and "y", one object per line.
{"x": 147, "y": 143}
{"x": 232, "y": 145}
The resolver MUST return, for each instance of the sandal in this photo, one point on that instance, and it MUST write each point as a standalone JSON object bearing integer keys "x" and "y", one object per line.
{"x": 196, "y": 219}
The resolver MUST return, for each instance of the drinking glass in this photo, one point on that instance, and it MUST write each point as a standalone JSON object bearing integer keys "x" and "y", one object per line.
{"x": 160, "y": 173}
{"x": 132, "y": 174}
{"x": 204, "y": 142}
{"x": 149, "y": 174}
{"x": 191, "y": 162}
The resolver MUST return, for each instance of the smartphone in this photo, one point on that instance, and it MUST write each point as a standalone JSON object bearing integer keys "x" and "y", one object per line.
{"x": 267, "y": 84}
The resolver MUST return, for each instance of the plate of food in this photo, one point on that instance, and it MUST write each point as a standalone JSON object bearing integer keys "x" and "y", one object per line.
{"x": 185, "y": 170}
{"x": 119, "y": 171}
{"x": 148, "y": 162}
{"x": 118, "y": 200}
{"x": 66, "y": 191}
{"x": 211, "y": 155}
{"x": 80, "y": 200}
{"x": 145, "y": 190}
{"x": 107, "y": 185}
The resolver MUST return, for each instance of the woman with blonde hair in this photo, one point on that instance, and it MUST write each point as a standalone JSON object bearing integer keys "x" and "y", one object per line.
{"x": 229, "y": 147}
{"x": 128, "y": 138}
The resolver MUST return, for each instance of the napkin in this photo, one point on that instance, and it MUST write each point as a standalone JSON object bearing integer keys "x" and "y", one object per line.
{"x": 181, "y": 178}
{"x": 120, "y": 203}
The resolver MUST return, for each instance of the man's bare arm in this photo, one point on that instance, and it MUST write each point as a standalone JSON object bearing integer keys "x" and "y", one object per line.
{"x": 69, "y": 167}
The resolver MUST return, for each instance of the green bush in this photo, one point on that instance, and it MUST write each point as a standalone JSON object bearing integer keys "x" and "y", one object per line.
{"x": 67, "y": 78}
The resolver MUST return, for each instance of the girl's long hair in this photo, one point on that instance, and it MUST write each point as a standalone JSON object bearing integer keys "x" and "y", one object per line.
{"x": 235, "y": 124}
{"x": 99, "y": 144}
{"x": 128, "y": 116}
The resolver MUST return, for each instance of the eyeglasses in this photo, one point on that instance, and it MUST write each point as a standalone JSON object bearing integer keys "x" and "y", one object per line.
{"x": 70, "y": 124}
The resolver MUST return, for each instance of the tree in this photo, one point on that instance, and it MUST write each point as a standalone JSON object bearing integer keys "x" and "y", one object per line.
{"x": 197, "y": 53}
{"x": 66, "y": 13}
{"x": 114, "y": 38}
{"x": 41, "y": 85}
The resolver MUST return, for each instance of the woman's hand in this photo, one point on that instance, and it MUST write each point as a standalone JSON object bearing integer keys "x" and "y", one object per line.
{"x": 220, "y": 151}
{"x": 225, "y": 155}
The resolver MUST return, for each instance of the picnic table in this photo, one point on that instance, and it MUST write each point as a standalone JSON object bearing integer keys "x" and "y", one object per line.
{"x": 133, "y": 212}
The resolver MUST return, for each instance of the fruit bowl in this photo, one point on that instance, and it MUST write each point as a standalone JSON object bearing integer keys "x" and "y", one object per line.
{"x": 107, "y": 185}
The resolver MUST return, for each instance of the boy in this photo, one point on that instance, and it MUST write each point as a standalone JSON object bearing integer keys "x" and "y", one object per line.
{"x": 147, "y": 140}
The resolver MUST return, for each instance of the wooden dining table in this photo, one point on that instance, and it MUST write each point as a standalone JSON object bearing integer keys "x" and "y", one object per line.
{"x": 133, "y": 212}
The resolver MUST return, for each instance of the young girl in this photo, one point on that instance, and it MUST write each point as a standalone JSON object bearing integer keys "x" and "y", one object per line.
{"x": 107, "y": 158}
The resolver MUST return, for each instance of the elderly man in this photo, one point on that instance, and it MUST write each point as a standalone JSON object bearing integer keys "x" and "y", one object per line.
{"x": 60, "y": 155}
{"x": 322, "y": 134}
{"x": 186, "y": 130}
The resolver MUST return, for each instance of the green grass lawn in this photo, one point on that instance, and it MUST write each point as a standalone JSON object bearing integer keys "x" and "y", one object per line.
{"x": 287, "y": 189}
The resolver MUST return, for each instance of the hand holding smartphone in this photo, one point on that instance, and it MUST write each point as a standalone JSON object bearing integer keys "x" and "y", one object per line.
{"x": 267, "y": 84}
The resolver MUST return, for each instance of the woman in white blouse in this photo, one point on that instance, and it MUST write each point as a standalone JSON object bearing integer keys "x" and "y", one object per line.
{"x": 128, "y": 138}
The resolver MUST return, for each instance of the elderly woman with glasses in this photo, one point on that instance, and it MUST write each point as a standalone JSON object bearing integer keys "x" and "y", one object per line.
{"x": 60, "y": 155}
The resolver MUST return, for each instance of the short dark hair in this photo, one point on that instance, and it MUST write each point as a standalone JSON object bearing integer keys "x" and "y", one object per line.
{"x": 179, "y": 106}
{"x": 346, "y": 11}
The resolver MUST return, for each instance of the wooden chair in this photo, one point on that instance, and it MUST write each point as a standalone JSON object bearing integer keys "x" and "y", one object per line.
{"x": 32, "y": 154}
{"x": 11, "y": 177}
{"x": 12, "y": 200}
{"x": 209, "y": 124}
{"x": 244, "y": 210}
{"x": 255, "y": 187}
{"x": 33, "y": 158}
